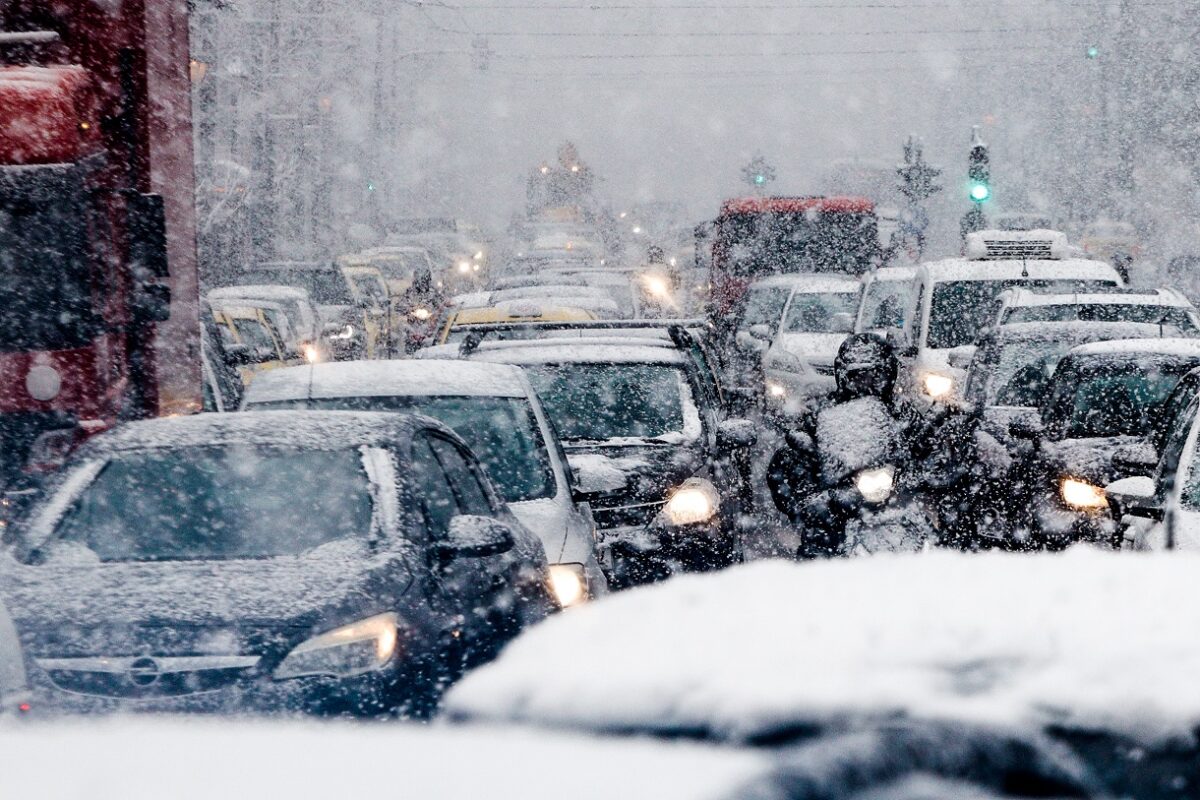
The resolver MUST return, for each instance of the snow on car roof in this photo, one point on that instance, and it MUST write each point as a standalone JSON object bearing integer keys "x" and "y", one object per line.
{"x": 1082, "y": 639}
{"x": 316, "y": 429}
{"x": 557, "y": 351}
{"x": 892, "y": 274}
{"x": 808, "y": 283}
{"x": 387, "y": 378}
{"x": 266, "y": 291}
{"x": 1159, "y": 297}
{"x": 275, "y": 759}
{"x": 960, "y": 269}
{"x": 1075, "y": 330}
{"x": 1171, "y": 346}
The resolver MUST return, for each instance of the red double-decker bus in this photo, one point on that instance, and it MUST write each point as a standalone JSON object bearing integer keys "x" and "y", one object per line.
{"x": 98, "y": 317}
{"x": 755, "y": 237}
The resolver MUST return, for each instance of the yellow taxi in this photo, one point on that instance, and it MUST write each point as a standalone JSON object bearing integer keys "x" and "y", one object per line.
{"x": 454, "y": 329}
{"x": 371, "y": 294}
{"x": 257, "y": 343}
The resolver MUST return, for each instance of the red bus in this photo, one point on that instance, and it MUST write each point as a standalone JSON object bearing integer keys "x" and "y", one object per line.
{"x": 755, "y": 237}
{"x": 98, "y": 289}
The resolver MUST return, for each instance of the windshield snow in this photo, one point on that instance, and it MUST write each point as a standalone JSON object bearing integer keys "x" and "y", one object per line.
{"x": 815, "y": 313}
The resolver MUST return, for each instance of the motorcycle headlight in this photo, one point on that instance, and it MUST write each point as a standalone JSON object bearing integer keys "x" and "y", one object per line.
{"x": 1082, "y": 495}
{"x": 569, "y": 584}
{"x": 875, "y": 485}
{"x": 421, "y": 314}
{"x": 695, "y": 501}
{"x": 364, "y": 646}
{"x": 937, "y": 386}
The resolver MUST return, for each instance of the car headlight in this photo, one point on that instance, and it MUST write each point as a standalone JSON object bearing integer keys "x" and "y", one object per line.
{"x": 937, "y": 386}
{"x": 695, "y": 501}
{"x": 875, "y": 485}
{"x": 464, "y": 267}
{"x": 312, "y": 354}
{"x": 1082, "y": 495}
{"x": 776, "y": 390}
{"x": 364, "y": 646}
{"x": 656, "y": 286}
{"x": 569, "y": 584}
{"x": 421, "y": 313}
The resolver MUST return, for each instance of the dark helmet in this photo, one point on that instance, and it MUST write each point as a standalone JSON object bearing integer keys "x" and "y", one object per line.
{"x": 865, "y": 366}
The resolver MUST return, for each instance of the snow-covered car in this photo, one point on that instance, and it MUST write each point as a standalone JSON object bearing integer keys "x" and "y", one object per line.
{"x": 756, "y": 328}
{"x": 1013, "y": 364}
{"x": 14, "y": 687}
{"x": 496, "y": 411}
{"x": 1167, "y": 308}
{"x": 1103, "y": 396}
{"x": 303, "y": 319}
{"x": 887, "y": 293}
{"x": 325, "y": 562}
{"x": 955, "y": 299}
{"x": 643, "y": 425}
{"x": 1051, "y": 675}
{"x": 819, "y": 314}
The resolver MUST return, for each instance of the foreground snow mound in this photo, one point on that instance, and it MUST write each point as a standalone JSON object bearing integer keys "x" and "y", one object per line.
{"x": 200, "y": 760}
{"x": 1081, "y": 639}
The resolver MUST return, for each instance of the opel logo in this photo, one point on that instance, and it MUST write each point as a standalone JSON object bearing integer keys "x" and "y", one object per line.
{"x": 143, "y": 671}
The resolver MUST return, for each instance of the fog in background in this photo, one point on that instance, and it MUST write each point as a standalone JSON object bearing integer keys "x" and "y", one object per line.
{"x": 319, "y": 121}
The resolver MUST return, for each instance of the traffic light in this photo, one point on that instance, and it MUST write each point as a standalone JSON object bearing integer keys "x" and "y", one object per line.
{"x": 760, "y": 179}
{"x": 979, "y": 175}
{"x": 1093, "y": 51}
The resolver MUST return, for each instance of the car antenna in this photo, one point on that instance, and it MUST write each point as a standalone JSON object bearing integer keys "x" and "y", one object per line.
{"x": 1024, "y": 267}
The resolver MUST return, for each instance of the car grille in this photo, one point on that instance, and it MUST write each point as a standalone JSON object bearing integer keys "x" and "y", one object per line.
{"x": 147, "y": 676}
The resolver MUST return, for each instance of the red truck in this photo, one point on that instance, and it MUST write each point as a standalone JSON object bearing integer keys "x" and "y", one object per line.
{"x": 755, "y": 237}
{"x": 98, "y": 278}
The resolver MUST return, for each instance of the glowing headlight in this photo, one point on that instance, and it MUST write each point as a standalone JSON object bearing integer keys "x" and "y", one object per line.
{"x": 364, "y": 646}
{"x": 875, "y": 485}
{"x": 345, "y": 333}
{"x": 656, "y": 286}
{"x": 464, "y": 267}
{"x": 311, "y": 354}
{"x": 695, "y": 501}
{"x": 478, "y": 255}
{"x": 776, "y": 390}
{"x": 937, "y": 386}
{"x": 1082, "y": 495}
{"x": 421, "y": 313}
{"x": 569, "y": 584}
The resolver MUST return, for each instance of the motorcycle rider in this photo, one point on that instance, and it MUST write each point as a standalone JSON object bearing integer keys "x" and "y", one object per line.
{"x": 812, "y": 478}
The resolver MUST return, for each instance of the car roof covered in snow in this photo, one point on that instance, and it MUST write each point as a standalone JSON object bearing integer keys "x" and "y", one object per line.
{"x": 599, "y": 350}
{"x": 1084, "y": 640}
{"x": 266, "y": 291}
{"x": 808, "y": 283}
{"x": 1171, "y": 346}
{"x": 1168, "y": 298}
{"x": 321, "y": 430}
{"x": 398, "y": 378}
{"x": 891, "y": 274}
{"x": 961, "y": 269}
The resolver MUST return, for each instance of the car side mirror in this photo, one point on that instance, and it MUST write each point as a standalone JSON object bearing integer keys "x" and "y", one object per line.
{"x": 736, "y": 434}
{"x": 471, "y": 536}
{"x": 842, "y": 322}
{"x": 1137, "y": 458}
{"x": 761, "y": 332}
{"x": 1134, "y": 497}
{"x": 1026, "y": 429}
{"x": 750, "y": 343}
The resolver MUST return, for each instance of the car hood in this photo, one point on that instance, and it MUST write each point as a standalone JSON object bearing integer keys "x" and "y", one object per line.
{"x": 650, "y": 474}
{"x": 822, "y": 347}
{"x": 290, "y": 590}
{"x": 1090, "y": 459}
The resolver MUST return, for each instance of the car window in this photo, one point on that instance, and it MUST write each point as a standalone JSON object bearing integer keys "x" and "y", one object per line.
{"x": 814, "y": 313}
{"x": 472, "y": 497}
{"x": 1113, "y": 398}
{"x": 960, "y": 309}
{"x": 436, "y": 497}
{"x": 883, "y": 305}
{"x": 254, "y": 334}
{"x": 764, "y": 306}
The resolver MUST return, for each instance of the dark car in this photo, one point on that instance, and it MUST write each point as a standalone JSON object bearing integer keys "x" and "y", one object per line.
{"x": 326, "y": 562}
{"x": 1102, "y": 398}
{"x": 641, "y": 419}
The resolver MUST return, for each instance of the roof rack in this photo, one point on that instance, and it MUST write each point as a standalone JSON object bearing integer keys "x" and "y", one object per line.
{"x": 476, "y": 333}
{"x": 1043, "y": 245}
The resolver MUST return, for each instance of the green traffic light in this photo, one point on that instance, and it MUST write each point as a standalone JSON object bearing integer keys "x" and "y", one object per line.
{"x": 1093, "y": 51}
{"x": 370, "y": 186}
{"x": 760, "y": 179}
{"x": 980, "y": 192}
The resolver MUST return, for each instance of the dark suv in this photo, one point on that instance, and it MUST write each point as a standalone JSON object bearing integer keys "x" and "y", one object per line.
{"x": 327, "y": 562}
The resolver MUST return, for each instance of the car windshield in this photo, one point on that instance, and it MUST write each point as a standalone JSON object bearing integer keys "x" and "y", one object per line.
{"x": 1101, "y": 396}
{"x": 254, "y": 334}
{"x": 764, "y": 306}
{"x": 961, "y": 309}
{"x": 502, "y": 431}
{"x": 883, "y": 305}
{"x": 815, "y": 313}
{"x": 220, "y": 503}
{"x": 1175, "y": 321}
{"x": 607, "y": 402}
{"x": 1022, "y": 370}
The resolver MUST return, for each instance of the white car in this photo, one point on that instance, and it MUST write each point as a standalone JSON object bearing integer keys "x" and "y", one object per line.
{"x": 818, "y": 316}
{"x": 14, "y": 688}
{"x": 955, "y": 299}
{"x": 495, "y": 409}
